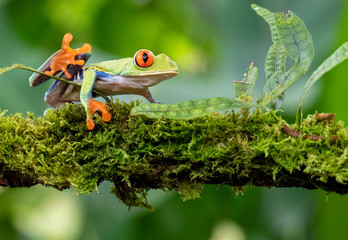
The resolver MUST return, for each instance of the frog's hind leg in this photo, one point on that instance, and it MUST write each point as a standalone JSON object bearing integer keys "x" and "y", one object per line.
{"x": 146, "y": 94}
{"x": 90, "y": 105}
{"x": 36, "y": 78}
{"x": 67, "y": 56}
{"x": 53, "y": 96}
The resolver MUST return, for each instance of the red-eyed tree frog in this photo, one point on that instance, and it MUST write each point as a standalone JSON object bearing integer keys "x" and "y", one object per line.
{"x": 123, "y": 76}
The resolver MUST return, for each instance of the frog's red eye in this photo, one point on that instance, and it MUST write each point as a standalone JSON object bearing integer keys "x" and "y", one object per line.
{"x": 144, "y": 58}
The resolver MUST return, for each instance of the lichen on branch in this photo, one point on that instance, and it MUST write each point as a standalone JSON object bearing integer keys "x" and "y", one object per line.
{"x": 137, "y": 153}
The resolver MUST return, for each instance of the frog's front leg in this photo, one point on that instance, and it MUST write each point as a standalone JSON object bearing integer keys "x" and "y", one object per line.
{"x": 91, "y": 105}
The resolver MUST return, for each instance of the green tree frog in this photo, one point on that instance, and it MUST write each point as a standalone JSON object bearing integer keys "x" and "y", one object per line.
{"x": 123, "y": 76}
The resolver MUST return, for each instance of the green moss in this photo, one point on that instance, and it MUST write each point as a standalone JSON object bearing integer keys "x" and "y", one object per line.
{"x": 137, "y": 153}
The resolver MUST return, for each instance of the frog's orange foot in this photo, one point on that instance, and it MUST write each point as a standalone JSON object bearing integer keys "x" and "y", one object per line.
{"x": 93, "y": 106}
{"x": 66, "y": 56}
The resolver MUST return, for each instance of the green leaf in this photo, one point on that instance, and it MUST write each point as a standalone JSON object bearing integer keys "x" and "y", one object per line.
{"x": 251, "y": 77}
{"x": 336, "y": 58}
{"x": 275, "y": 60}
{"x": 290, "y": 37}
{"x": 247, "y": 85}
{"x": 276, "y": 56}
{"x": 190, "y": 109}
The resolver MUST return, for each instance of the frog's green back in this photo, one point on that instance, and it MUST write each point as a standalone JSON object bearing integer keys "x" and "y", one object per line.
{"x": 127, "y": 67}
{"x": 112, "y": 66}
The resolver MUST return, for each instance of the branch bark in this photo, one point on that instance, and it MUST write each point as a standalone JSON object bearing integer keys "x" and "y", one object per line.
{"x": 137, "y": 153}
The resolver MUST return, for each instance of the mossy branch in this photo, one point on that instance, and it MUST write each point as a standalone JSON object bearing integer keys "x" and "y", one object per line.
{"x": 137, "y": 153}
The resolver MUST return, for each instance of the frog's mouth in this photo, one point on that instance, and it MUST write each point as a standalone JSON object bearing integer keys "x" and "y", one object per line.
{"x": 171, "y": 73}
{"x": 158, "y": 75}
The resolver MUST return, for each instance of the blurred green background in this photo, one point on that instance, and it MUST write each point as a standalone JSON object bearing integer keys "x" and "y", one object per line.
{"x": 213, "y": 42}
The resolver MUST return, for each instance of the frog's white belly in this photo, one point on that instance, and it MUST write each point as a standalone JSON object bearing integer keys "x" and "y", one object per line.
{"x": 118, "y": 85}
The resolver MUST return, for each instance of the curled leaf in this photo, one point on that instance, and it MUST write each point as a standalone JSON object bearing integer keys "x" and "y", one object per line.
{"x": 247, "y": 85}
{"x": 290, "y": 37}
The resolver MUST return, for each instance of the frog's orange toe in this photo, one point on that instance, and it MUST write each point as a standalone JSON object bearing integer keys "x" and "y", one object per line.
{"x": 68, "y": 37}
{"x": 67, "y": 74}
{"x": 49, "y": 72}
{"x": 80, "y": 62}
{"x": 90, "y": 123}
{"x": 106, "y": 116}
{"x": 84, "y": 49}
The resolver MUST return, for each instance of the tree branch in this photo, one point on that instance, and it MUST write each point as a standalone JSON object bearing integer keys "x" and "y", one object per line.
{"x": 137, "y": 153}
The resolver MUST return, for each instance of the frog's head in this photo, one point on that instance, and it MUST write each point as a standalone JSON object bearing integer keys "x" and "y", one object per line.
{"x": 148, "y": 67}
